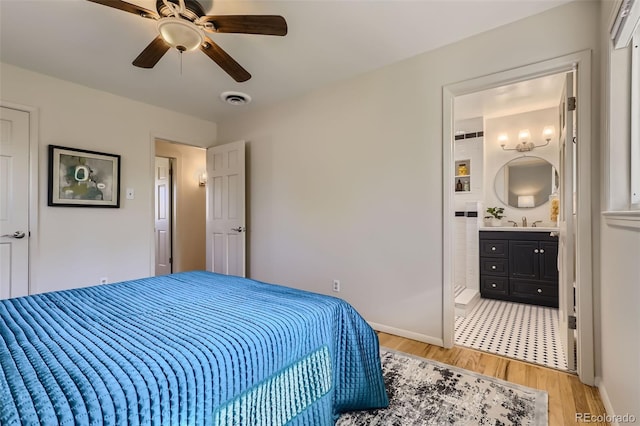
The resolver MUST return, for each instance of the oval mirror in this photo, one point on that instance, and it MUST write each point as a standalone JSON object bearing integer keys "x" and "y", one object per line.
{"x": 526, "y": 182}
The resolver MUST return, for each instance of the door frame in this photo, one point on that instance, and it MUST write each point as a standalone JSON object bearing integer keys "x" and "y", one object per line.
{"x": 580, "y": 62}
{"x": 34, "y": 145}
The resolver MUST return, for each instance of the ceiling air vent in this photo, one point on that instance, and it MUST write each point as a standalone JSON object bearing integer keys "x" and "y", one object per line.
{"x": 235, "y": 98}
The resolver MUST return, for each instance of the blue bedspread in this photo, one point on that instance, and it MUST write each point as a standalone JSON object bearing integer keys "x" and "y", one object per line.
{"x": 182, "y": 349}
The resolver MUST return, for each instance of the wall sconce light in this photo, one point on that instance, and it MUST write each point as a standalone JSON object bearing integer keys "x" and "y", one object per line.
{"x": 525, "y": 201}
{"x": 202, "y": 179}
{"x": 525, "y": 144}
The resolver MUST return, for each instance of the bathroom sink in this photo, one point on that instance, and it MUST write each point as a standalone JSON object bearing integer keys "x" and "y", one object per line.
{"x": 520, "y": 228}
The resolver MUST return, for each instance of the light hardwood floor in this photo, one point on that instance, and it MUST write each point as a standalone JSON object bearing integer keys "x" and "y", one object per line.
{"x": 567, "y": 395}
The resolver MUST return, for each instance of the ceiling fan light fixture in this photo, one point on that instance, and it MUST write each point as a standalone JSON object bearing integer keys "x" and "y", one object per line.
{"x": 181, "y": 34}
{"x": 235, "y": 98}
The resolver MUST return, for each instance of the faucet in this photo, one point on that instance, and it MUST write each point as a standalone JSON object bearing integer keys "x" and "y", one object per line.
{"x": 524, "y": 221}
{"x": 515, "y": 225}
{"x": 534, "y": 223}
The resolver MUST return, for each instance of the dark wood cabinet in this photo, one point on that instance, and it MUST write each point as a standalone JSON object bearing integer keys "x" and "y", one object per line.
{"x": 519, "y": 266}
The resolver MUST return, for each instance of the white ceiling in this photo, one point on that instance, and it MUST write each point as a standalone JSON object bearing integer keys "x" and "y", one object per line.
{"x": 530, "y": 95}
{"x": 328, "y": 41}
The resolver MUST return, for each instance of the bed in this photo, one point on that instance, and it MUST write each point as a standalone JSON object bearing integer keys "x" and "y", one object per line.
{"x": 182, "y": 349}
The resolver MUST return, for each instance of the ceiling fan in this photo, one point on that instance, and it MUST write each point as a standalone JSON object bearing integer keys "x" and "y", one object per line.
{"x": 182, "y": 24}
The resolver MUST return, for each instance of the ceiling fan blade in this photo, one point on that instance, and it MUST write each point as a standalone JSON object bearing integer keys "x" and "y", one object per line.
{"x": 128, "y": 7}
{"x": 247, "y": 24}
{"x": 151, "y": 54}
{"x": 225, "y": 61}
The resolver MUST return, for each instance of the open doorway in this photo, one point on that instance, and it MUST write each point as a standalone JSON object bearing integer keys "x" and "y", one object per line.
{"x": 179, "y": 207}
{"x": 500, "y": 307}
{"x": 494, "y": 253}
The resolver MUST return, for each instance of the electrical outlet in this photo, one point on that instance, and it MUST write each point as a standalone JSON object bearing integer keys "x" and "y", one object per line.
{"x": 104, "y": 280}
{"x": 336, "y": 285}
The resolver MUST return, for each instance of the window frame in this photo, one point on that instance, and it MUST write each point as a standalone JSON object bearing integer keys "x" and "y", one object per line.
{"x": 635, "y": 121}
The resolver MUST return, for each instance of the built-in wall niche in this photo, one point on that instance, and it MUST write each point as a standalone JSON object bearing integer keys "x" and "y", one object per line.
{"x": 462, "y": 179}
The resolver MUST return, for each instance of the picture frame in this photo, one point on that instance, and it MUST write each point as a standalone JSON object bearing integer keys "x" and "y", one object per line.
{"x": 81, "y": 178}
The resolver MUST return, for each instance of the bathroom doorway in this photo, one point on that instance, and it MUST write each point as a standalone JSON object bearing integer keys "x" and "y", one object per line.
{"x": 485, "y": 130}
{"x": 182, "y": 237}
{"x": 517, "y": 177}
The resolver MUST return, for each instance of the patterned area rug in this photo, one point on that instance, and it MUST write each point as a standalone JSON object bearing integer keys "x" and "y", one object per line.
{"x": 424, "y": 392}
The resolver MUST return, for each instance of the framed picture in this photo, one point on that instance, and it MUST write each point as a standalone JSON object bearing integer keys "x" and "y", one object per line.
{"x": 79, "y": 178}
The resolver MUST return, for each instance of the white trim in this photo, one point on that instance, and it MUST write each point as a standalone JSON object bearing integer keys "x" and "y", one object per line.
{"x": 405, "y": 333}
{"x": 604, "y": 396}
{"x": 448, "y": 213}
{"x": 625, "y": 22}
{"x": 580, "y": 61}
{"x": 624, "y": 219}
{"x": 585, "y": 256}
{"x": 152, "y": 207}
{"x": 34, "y": 167}
{"x": 634, "y": 193}
{"x": 624, "y": 134}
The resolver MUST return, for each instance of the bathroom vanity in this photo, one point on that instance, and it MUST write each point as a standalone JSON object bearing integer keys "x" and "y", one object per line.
{"x": 519, "y": 265}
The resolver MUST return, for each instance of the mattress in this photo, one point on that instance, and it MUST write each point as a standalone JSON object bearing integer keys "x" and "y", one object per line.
{"x": 188, "y": 348}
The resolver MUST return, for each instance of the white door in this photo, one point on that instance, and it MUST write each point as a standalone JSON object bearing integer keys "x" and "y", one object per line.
{"x": 163, "y": 216}
{"x": 14, "y": 203}
{"x": 225, "y": 209}
{"x": 566, "y": 249}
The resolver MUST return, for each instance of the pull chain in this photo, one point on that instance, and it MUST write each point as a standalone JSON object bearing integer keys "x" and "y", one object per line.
{"x": 180, "y": 49}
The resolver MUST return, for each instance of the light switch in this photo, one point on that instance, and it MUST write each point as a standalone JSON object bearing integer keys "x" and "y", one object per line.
{"x": 130, "y": 194}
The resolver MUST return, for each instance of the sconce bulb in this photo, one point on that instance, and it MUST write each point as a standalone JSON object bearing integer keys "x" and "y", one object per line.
{"x": 548, "y": 132}
{"x": 524, "y": 135}
{"x": 202, "y": 179}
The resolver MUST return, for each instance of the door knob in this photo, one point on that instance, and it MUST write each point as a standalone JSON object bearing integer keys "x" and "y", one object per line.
{"x": 239, "y": 229}
{"x": 17, "y": 235}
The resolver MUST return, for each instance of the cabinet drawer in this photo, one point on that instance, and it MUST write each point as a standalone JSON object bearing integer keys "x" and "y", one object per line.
{"x": 494, "y": 285}
{"x": 529, "y": 289}
{"x": 494, "y": 248}
{"x": 493, "y": 266}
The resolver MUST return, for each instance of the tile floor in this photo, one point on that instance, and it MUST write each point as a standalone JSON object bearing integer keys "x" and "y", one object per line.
{"x": 514, "y": 330}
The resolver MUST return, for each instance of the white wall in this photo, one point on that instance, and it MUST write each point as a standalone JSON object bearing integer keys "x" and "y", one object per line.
{"x": 495, "y": 157}
{"x": 619, "y": 294}
{"x": 346, "y": 182}
{"x": 77, "y": 246}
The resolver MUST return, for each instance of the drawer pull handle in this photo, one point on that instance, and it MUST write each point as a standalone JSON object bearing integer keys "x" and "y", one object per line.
{"x": 493, "y": 249}
{"x": 541, "y": 250}
{"x": 536, "y": 251}
{"x": 493, "y": 266}
{"x": 494, "y": 285}
{"x": 540, "y": 290}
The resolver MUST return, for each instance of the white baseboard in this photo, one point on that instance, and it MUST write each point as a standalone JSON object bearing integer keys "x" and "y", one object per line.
{"x": 408, "y": 334}
{"x": 604, "y": 396}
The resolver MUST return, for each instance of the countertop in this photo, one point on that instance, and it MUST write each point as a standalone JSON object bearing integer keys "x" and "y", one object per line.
{"x": 520, "y": 228}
